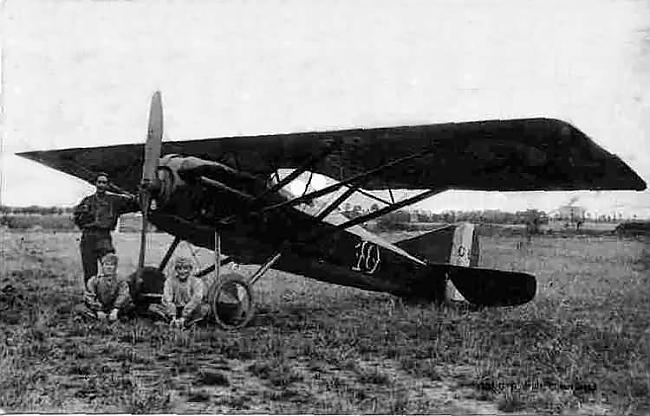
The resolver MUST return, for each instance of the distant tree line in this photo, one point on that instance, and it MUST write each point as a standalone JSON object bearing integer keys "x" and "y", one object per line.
{"x": 396, "y": 217}
{"x": 476, "y": 217}
{"x": 35, "y": 210}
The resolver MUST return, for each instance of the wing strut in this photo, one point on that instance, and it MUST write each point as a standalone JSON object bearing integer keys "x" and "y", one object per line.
{"x": 390, "y": 208}
{"x": 356, "y": 221}
{"x": 375, "y": 197}
{"x": 264, "y": 268}
{"x": 337, "y": 202}
{"x": 353, "y": 180}
{"x": 169, "y": 253}
{"x": 311, "y": 176}
{"x": 218, "y": 185}
{"x": 297, "y": 172}
{"x": 210, "y": 268}
{"x": 392, "y": 198}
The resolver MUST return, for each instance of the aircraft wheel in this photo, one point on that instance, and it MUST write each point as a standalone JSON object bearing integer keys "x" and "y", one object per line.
{"x": 231, "y": 301}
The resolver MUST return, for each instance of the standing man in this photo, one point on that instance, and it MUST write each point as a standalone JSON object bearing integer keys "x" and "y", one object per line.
{"x": 97, "y": 216}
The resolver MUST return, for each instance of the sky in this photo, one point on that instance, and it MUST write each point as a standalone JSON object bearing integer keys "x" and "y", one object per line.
{"x": 81, "y": 74}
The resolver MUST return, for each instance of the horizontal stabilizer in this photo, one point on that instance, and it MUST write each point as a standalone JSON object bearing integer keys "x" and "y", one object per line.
{"x": 489, "y": 287}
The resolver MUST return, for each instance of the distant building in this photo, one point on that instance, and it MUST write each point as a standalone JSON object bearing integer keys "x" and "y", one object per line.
{"x": 571, "y": 213}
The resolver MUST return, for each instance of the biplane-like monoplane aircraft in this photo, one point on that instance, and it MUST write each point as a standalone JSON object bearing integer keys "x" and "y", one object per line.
{"x": 226, "y": 194}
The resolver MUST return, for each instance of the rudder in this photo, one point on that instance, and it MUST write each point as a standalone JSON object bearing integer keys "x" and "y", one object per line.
{"x": 457, "y": 245}
{"x": 453, "y": 244}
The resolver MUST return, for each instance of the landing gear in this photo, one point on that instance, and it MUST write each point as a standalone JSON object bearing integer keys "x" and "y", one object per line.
{"x": 231, "y": 301}
{"x": 230, "y": 295}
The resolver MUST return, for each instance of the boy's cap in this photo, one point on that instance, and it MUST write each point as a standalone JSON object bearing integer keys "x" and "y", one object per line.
{"x": 182, "y": 261}
{"x": 110, "y": 258}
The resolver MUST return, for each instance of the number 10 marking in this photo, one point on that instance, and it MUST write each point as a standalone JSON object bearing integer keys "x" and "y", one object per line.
{"x": 368, "y": 259}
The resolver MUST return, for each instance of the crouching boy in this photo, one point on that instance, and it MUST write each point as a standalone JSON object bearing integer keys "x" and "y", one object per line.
{"x": 182, "y": 302}
{"x": 106, "y": 296}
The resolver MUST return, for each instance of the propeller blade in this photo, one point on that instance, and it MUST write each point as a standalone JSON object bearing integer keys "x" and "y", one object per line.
{"x": 152, "y": 150}
{"x": 152, "y": 146}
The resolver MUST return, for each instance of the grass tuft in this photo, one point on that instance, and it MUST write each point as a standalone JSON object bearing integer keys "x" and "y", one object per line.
{"x": 213, "y": 378}
{"x": 510, "y": 401}
{"x": 374, "y": 376}
{"x": 198, "y": 396}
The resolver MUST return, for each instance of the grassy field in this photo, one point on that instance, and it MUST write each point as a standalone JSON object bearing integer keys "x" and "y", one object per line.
{"x": 581, "y": 347}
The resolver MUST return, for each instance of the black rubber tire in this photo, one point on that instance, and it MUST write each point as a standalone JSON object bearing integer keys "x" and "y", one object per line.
{"x": 215, "y": 290}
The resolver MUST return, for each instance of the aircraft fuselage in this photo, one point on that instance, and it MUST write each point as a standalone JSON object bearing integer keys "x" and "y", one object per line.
{"x": 199, "y": 198}
{"x": 311, "y": 247}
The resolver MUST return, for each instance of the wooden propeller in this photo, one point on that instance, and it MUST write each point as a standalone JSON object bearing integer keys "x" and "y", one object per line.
{"x": 152, "y": 149}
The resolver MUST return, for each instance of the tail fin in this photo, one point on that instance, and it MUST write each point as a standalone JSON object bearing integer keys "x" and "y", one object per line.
{"x": 454, "y": 244}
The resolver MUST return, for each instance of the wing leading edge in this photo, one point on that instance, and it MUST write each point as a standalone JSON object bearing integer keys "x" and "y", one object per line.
{"x": 497, "y": 155}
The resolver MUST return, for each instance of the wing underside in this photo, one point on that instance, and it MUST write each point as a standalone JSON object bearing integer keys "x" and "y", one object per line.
{"x": 497, "y": 155}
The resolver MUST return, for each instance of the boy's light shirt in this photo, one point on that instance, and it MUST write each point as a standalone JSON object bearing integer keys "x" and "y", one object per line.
{"x": 187, "y": 294}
